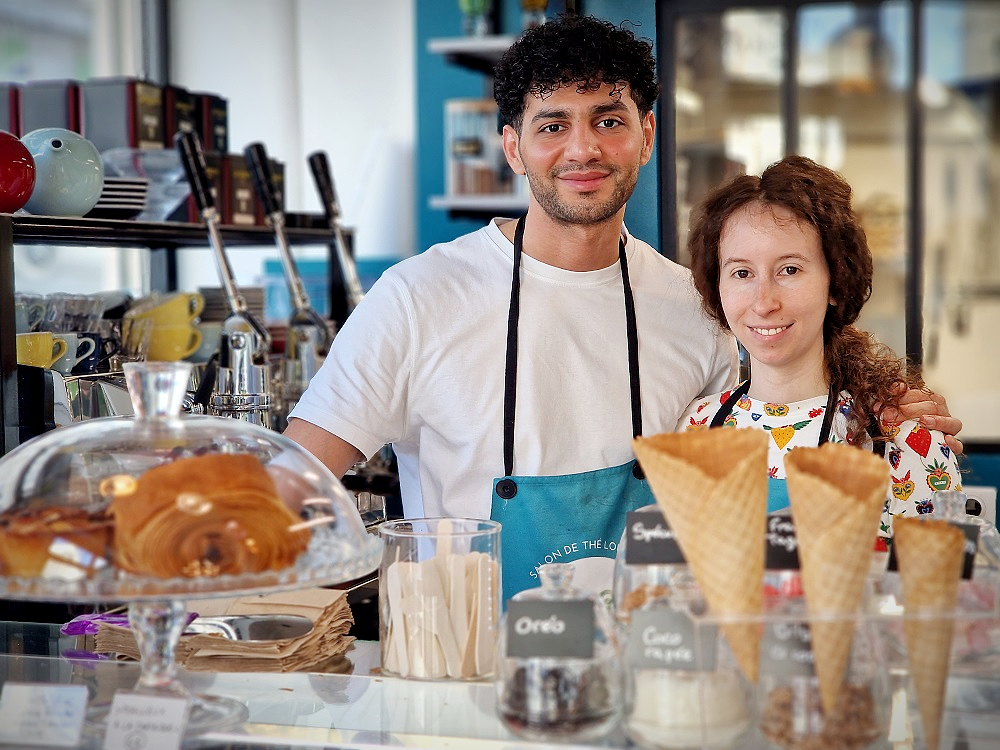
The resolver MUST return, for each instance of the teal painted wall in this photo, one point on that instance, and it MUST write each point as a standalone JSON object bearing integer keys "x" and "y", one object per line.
{"x": 437, "y": 81}
{"x": 642, "y": 215}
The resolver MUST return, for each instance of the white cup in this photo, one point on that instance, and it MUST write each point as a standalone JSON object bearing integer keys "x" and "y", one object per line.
{"x": 77, "y": 349}
{"x": 211, "y": 334}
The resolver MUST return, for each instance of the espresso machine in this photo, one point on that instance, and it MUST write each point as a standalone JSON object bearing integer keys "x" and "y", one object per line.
{"x": 244, "y": 383}
{"x": 345, "y": 273}
{"x": 242, "y": 380}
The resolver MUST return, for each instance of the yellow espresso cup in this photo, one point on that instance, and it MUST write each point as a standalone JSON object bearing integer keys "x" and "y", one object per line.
{"x": 173, "y": 342}
{"x": 39, "y": 349}
{"x": 174, "y": 309}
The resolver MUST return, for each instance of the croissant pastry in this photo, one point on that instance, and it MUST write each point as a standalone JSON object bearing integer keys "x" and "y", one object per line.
{"x": 31, "y": 538}
{"x": 217, "y": 514}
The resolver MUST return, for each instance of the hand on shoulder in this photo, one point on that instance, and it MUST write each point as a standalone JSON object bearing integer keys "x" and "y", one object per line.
{"x": 930, "y": 410}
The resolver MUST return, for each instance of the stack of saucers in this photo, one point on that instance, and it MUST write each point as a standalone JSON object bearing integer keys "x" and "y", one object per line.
{"x": 121, "y": 198}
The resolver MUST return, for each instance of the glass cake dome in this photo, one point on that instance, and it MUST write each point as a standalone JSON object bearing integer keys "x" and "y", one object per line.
{"x": 164, "y": 506}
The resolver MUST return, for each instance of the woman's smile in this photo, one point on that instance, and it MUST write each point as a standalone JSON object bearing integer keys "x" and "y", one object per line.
{"x": 769, "y": 331}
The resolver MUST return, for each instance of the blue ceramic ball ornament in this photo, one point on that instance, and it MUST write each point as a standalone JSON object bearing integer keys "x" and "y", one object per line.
{"x": 69, "y": 173}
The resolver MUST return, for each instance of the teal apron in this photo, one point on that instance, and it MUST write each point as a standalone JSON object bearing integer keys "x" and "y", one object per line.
{"x": 572, "y": 516}
{"x": 777, "y": 490}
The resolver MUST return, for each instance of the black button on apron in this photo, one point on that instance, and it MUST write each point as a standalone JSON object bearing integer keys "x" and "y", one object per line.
{"x": 506, "y": 488}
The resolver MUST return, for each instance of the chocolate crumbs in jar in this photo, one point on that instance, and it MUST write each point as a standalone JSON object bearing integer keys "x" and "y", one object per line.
{"x": 557, "y": 701}
{"x": 851, "y": 727}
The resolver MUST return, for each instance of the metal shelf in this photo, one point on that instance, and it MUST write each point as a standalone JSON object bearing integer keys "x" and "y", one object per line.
{"x": 479, "y": 53}
{"x": 36, "y": 230}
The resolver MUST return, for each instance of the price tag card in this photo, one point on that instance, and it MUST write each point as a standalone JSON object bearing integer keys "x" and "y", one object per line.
{"x": 665, "y": 638}
{"x": 649, "y": 539}
{"x": 33, "y": 714}
{"x": 782, "y": 543}
{"x": 786, "y": 649}
{"x": 138, "y": 722}
{"x": 550, "y": 629}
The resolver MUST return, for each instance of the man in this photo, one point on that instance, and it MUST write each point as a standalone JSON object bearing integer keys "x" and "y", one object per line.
{"x": 511, "y": 367}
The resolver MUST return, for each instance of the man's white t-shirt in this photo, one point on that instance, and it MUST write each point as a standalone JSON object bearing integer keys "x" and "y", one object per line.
{"x": 420, "y": 364}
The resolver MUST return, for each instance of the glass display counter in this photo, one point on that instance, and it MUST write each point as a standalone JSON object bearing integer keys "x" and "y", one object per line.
{"x": 353, "y": 707}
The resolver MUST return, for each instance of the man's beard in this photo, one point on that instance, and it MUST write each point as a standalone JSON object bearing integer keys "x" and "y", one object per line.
{"x": 584, "y": 212}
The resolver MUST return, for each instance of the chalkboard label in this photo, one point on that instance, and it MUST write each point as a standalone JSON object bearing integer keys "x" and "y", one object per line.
{"x": 782, "y": 543}
{"x": 786, "y": 649}
{"x": 649, "y": 539}
{"x": 971, "y": 531}
{"x": 662, "y": 637}
{"x": 562, "y": 629}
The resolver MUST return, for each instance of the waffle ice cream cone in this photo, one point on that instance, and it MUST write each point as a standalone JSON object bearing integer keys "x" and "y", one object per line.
{"x": 837, "y": 493}
{"x": 712, "y": 487}
{"x": 930, "y": 556}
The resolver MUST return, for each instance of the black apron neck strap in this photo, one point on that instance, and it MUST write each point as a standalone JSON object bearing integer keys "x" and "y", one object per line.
{"x": 510, "y": 367}
{"x": 831, "y": 405}
{"x": 632, "y": 332}
{"x": 730, "y": 403}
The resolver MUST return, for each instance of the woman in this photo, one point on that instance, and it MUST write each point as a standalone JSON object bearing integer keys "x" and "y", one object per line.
{"x": 781, "y": 260}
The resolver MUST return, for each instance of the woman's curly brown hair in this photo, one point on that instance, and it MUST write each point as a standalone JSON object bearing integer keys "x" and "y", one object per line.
{"x": 569, "y": 50}
{"x": 855, "y": 361}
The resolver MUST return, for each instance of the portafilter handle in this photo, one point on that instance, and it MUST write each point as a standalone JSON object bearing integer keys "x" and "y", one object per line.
{"x": 259, "y": 164}
{"x": 193, "y": 159}
{"x": 196, "y": 170}
{"x": 263, "y": 182}
{"x": 323, "y": 177}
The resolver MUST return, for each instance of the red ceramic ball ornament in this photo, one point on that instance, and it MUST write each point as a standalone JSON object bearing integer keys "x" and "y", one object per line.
{"x": 17, "y": 173}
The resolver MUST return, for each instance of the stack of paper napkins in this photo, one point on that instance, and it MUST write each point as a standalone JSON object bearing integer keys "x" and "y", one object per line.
{"x": 327, "y": 609}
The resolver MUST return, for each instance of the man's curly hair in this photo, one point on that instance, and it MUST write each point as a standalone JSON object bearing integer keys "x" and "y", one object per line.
{"x": 568, "y": 50}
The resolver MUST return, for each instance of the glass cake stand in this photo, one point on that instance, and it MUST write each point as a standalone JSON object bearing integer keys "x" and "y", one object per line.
{"x": 162, "y": 508}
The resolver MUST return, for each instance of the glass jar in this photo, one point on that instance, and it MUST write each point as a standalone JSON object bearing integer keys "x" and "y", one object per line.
{"x": 975, "y": 648}
{"x": 646, "y": 561}
{"x": 952, "y": 505}
{"x": 977, "y": 613}
{"x": 682, "y": 686}
{"x": 788, "y": 700}
{"x": 475, "y": 16}
{"x": 558, "y": 664}
{"x": 981, "y": 572}
{"x": 439, "y": 598}
{"x": 789, "y": 705}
